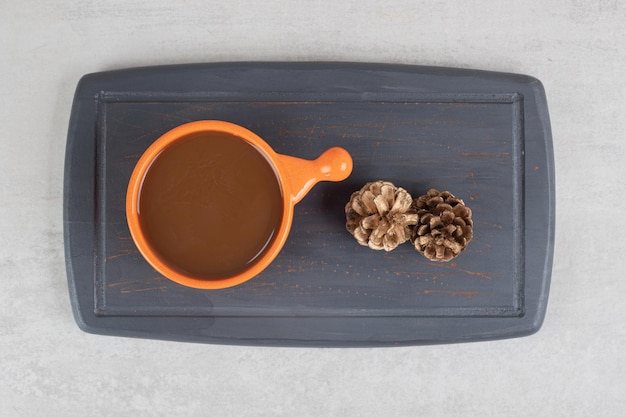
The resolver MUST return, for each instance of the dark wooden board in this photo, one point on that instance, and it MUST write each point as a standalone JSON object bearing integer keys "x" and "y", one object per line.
{"x": 483, "y": 136}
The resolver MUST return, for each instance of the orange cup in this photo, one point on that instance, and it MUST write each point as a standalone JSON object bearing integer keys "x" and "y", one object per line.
{"x": 296, "y": 177}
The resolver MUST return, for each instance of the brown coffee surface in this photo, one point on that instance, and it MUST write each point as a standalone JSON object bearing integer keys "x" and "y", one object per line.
{"x": 210, "y": 205}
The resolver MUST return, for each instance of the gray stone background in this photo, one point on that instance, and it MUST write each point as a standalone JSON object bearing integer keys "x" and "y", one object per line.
{"x": 576, "y": 364}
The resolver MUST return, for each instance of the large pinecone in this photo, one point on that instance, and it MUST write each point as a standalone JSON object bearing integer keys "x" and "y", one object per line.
{"x": 380, "y": 216}
{"x": 445, "y": 225}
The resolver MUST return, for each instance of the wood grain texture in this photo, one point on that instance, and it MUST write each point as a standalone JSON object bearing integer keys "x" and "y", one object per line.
{"x": 468, "y": 132}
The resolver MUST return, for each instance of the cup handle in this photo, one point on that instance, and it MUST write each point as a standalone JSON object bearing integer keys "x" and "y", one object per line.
{"x": 300, "y": 175}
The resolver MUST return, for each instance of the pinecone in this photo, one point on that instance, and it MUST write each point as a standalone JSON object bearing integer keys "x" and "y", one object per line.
{"x": 380, "y": 216}
{"x": 445, "y": 225}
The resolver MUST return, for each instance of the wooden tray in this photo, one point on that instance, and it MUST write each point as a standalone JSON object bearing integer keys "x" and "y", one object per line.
{"x": 483, "y": 136}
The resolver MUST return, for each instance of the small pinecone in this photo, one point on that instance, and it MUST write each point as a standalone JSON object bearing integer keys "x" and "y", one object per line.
{"x": 380, "y": 215}
{"x": 445, "y": 225}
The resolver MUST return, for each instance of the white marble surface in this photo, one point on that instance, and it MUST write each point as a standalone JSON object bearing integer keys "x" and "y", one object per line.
{"x": 576, "y": 364}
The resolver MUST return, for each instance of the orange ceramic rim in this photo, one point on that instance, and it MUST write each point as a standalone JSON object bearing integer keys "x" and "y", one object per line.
{"x": 134, "y": 190}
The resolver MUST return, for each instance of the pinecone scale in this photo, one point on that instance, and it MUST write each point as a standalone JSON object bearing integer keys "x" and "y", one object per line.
{"x": 380, "y": 215}
{"x": 445, "y": 225}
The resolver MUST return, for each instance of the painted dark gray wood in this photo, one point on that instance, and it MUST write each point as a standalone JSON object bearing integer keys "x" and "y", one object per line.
{"x": 483, "y": 136}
